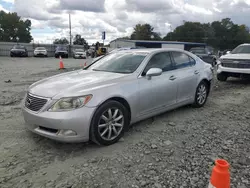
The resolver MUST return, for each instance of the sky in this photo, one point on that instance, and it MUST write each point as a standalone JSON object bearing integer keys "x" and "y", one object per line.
{"x": 50, "y": 18}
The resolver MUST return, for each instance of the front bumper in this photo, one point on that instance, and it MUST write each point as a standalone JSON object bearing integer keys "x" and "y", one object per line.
{"x": 18, "y": 54}
{"x": 79, "y": 56}
{"x": 40, "y": 54}
{"x": 51, "y": 124}
{"x": 221, "y": 69}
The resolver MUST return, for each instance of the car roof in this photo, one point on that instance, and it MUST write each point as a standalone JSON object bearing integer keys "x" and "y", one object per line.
{"x": 151, "y": 50}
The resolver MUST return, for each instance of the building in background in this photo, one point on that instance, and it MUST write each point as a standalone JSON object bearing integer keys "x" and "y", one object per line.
{"x": 123, "y": 43}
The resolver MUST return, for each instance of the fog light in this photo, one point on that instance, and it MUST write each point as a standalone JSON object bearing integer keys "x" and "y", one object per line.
{"x": 67, "y": 133}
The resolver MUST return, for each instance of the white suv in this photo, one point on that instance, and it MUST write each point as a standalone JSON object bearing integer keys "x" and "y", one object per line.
{"x": 235, "y": 64}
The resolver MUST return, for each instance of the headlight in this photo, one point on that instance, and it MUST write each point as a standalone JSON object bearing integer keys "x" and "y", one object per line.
{"x": 70, "y": 103}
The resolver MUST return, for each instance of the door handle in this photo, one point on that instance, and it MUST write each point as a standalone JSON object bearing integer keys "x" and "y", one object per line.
{"x": 196, "y": 72}
{"x": 172, "y": 78}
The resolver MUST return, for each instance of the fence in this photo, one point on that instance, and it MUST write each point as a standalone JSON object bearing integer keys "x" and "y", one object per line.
{"x": 5, "y": 48}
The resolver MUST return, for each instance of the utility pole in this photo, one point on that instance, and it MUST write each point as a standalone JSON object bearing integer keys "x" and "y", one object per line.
{"x": 70, "y": 39}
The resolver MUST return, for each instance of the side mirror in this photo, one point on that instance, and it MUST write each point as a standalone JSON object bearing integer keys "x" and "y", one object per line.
{"x": 154, "y": 72}
{"x": 228, "y": 52}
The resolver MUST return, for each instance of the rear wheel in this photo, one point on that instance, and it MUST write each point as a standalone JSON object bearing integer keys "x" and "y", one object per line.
{"x": 222, "y": 77}
{"x": 109, "y": 123}
{"x": 201, "y": 94}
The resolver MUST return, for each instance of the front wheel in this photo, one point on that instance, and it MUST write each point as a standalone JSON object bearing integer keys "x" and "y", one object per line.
{"x": 201, "y": 94}
{"x": 109, "y": 123}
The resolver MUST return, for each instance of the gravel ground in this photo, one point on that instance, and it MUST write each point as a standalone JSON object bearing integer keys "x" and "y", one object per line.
{"x": 175, "y": 149}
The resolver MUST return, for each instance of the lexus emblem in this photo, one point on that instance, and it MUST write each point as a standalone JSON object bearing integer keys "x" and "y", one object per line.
{"x": 28, "y": 102}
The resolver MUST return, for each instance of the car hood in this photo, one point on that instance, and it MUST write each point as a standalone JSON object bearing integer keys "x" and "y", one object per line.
{"x": 236, "y": 56}
{"x": 74, "y": 83}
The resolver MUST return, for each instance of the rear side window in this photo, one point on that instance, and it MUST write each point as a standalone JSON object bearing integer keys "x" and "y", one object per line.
{"x": 182, "y": 60}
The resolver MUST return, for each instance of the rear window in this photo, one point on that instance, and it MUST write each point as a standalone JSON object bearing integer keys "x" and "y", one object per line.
{"x": 198, "y": 50}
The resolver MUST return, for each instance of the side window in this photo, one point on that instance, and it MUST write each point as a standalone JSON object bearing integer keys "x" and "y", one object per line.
{"x": 192, "y": 61}
{"x": 182, "y": 60}
{"x": 161, "y": 60}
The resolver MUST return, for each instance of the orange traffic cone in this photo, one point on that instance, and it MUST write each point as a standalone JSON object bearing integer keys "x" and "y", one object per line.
{"x": 220, "y": 177}
{"x": 61, "y": 65}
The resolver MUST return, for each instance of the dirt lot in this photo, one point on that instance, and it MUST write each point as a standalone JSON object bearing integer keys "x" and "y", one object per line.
{"x": 175, "y": 149}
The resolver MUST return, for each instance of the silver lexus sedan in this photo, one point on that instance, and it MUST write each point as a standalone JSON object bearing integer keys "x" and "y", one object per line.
{"x": 99, "y": 102}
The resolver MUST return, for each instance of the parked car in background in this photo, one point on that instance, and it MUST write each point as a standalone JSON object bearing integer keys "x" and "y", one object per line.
{"x": 18, "y": 51}
{"x": 40, "y": 52}
{"x": 99, "y": 102}
{"x": 205, "y": 54}
{"x": 235, "y": 63}
{"x": 79, "y": 53}
{"x": 91, "y": 51}
{"x": 61, "y": 51}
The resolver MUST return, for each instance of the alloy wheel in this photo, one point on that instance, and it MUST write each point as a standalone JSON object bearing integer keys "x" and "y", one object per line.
{"x": 111, "y": 124}
{"x": 202, "y": 94}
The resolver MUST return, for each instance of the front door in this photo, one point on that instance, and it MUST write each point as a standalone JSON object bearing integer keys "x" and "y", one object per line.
{"x": 159, "y": 92}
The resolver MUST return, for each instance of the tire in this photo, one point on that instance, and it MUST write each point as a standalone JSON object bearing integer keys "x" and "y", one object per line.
{"x": 201, "y": 94}
{"x": 108, "y": 124}
{"x": 222, "y": 77}
{"x": 66, "y": 56}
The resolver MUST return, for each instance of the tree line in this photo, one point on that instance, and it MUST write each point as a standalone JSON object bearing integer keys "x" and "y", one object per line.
{"x": 223, "y": 34}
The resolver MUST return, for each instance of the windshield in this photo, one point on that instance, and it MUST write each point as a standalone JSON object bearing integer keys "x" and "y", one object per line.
{"x": 40, "y": 48}
{"x": 18, "y": 47}
{"x": 119, "y": 62}
{"x": 79, "y": 50}
{"x": 242, "y": 50}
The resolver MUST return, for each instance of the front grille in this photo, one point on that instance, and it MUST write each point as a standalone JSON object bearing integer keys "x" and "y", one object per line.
{"x": 241, "y": 64}
{"x": 34, "y": 103}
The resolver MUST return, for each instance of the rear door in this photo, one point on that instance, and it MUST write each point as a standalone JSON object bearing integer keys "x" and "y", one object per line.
{"x": 185, "y": 68}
